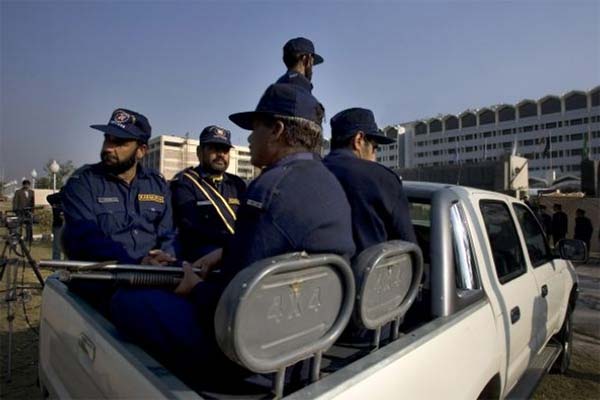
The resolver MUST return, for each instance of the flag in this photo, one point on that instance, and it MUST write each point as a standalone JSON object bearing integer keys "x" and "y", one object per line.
{"x": 513, "y": 151}
{"x": 546, "y": 151}
{"x": 456, "y": 155}
{"x": 585, "y": 153}
{"x": 485, "y": 149}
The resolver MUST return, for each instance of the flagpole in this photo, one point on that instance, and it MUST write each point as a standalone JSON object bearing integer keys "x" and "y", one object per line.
{"x": 550, "y": 147}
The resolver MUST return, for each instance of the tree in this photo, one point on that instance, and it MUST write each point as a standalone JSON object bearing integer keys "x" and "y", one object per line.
{"x": 66, "y": 169}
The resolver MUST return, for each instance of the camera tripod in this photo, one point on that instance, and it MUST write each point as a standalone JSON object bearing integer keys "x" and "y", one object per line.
{"x": 14, "y": 245}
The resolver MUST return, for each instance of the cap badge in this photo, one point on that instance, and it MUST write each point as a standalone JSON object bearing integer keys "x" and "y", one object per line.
{"x": 122, "y": 117}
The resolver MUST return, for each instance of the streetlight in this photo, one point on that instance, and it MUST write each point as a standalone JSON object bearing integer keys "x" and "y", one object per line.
{"x": 33, "y": 176}
{"x": 54, "y": 168}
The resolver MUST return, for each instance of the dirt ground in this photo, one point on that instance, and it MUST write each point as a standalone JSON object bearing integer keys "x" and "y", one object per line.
{"x": 582, "y": 381}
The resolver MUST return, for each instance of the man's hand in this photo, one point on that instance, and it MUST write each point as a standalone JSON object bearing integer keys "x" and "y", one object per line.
{"x": 208, "y": 262}
{"x": 190, "y": 279}
{"x": 158, "y": 257}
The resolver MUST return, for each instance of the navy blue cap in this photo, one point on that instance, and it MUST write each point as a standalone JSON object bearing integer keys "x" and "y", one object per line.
{"x": 302, "y": 45}
{"x": 346, "y": 123}
{"x": 283, "y": 99}
{"x": 127, "y": 124}
{"x": 215, "y": 134}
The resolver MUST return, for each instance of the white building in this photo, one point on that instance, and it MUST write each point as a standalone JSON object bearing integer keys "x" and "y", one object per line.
{"x": 170, "y": 154}
{"x": 490, "y": 132}
{"x": 389, "y": 154}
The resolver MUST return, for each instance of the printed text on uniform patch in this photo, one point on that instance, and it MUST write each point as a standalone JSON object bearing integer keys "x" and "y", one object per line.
{"x": 151, "y": 197}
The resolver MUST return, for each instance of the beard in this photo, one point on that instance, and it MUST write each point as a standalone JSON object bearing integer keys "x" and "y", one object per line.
{"x": 116, "y": 166}
{"x": 308, "y": 73}
{"x": 214, "y": 167}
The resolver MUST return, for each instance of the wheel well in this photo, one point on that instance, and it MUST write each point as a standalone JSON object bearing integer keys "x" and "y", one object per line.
{"x": 491, "y": 389}
{"x": 573, "y": 296}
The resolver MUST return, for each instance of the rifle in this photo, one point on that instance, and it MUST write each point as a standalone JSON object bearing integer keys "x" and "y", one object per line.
{"x": 121, "y": 274}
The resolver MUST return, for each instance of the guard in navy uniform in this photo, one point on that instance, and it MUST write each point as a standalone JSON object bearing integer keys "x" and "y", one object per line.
{"x": 117, "y": 209}
{"x": 560, "y": 224}
{"x": 206, "y": 198}
{"x": 299, "y": 57}
{"x": 379, "y": 206}
{"x": 296, "y": 204}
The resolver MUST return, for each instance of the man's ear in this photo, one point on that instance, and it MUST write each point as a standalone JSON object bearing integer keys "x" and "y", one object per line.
{"x": 358, "y": 140}
{"x": 199, "y": 153}
{"x": 277, "y": 130}
{"x": 141, "y": 151}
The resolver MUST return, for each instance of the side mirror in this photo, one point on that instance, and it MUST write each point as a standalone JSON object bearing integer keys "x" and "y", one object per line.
{"x": 573, "y": 250}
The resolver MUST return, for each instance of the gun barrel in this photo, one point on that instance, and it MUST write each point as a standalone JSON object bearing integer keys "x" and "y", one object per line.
{"x": 75, "y": 266}
{"x": 129, "y": 278}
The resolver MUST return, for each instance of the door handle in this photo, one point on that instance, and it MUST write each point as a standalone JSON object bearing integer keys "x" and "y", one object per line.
{"x": 515, "y": 315}
{"x": 87, "y": 346}
{"x": 544, "y": 290}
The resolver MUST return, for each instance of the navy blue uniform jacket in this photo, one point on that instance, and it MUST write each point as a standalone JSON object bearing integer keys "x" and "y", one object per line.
{"x": 107, "y": 219}
{"x": 294, "y": 205}
{"x": 379, "y": 206}
{"x": 200, "y": 228}
{"x": 296, "y": 78}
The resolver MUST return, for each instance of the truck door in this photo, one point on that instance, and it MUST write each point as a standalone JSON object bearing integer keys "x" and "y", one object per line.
{"x": 547, "y": 271}
{"x": 516, "y": 286}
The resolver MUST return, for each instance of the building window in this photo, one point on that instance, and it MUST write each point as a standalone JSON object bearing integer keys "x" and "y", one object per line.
{"x": 487, "y": 117}
{"x": 468, "y": 120}
{"x": 487, "y": 134}
{"x": 420, "y": 128}
{"x": 575, "y": 101}
{"x": 435, "y": 126}
{"x": 551, "y": 125}
{"x": 577, "y": 121}
{"x": 506, "y": 113}
{"x": 551, "y": 105}
{"x": 451, "y": 123}
{"x": 527, "y": 109}
{"x": 595, "y": 97}
{"x": 576, "y": 136}
{"x": 507, "y": 132}
{"x": 528, "y": 128}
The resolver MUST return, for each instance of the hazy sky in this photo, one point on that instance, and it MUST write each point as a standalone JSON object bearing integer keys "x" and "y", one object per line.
{"x": 185, "y": 65}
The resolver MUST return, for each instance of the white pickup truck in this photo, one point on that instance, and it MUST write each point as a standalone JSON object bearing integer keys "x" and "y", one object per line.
{"x": 483, "y": 312}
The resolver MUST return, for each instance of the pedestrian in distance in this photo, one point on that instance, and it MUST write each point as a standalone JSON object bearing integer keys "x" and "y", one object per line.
{"x": 583, "y": 228}
{"x": 560, "y": 224}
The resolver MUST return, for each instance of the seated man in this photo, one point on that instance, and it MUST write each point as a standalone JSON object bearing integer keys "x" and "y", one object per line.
{"x": 117, "y": 209}
{"x": 296, "y": 204}
{"x": 206, "y": 198}
{"x": 379, "y": 206}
